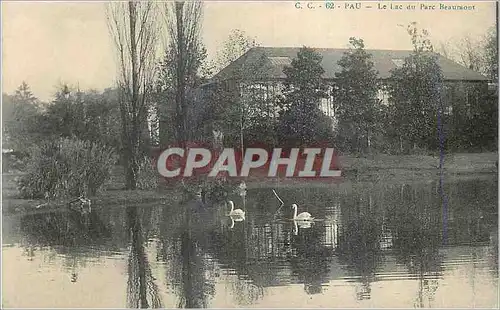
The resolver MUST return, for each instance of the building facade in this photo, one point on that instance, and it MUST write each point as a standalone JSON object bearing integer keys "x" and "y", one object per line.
{"x": 259, "y": 74}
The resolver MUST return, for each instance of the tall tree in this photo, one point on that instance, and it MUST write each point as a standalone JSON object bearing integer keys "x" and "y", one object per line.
{"x": 241, "y": 104}
{"x": 491, "y": 54}
{"x": 65, "y": 114}
{"x": 134, "y": 29}
{"x": 357, "y": 106}
{"x": 472, "y": 119}
{"x": 416, "y": 95}
{"x": 183, "y": 57}
{"x": 301, "y": 121}
{"x": 88, "y": 116}
{"x": 236, "y": 44}
{"x": 476, "y": 53}
{"x": 21, "y": 116}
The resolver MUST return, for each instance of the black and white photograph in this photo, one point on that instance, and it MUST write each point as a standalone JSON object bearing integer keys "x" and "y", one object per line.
{"x": 249, "y": 154}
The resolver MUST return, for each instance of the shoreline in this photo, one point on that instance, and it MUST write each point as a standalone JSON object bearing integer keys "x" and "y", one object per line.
{"x": 378, "y": 170}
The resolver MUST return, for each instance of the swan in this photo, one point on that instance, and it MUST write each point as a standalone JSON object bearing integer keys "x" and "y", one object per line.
{"x": 302, "y": 225}
{"x": 237, "y": 212}
{"x": 304, "y": 216}
{"x": 236, "y": 219}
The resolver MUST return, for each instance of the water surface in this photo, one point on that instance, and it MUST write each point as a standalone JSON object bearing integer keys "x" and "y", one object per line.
{"x": 373, "y": 246}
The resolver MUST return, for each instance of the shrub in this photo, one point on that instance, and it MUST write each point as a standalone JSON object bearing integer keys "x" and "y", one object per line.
{"x": 13, "y": 162}
{"x": 66, "y": 168}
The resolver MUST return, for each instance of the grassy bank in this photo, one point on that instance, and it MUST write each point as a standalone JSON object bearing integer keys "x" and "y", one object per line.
{"x": 112, "y": 195}
{"x": 355, "y": 170}
{"x": 107, "y": 198}
{"x": 417, "y": 167}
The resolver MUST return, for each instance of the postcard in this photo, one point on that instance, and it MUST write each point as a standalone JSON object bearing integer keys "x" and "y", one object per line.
{"x": 265, "y": 154}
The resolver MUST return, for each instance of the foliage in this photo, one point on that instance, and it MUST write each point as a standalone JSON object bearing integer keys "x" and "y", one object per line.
{"x": 179, "y": 69}
{"x": 491, "y": 54}
{"x": 134, "y": 28}
{"x": 236, "y": 44}
{"x": 484, "y": 121}
{"x": 473, "y": 123}
{"x": 301, "y": 122}
{"x": 416, "y": 95}
{"x": 477, "y": 53}
{"x": 167, "y": 92}
{"x": 357, "y": 108}
{"x": 21, "y": 119}
{"x": 66, "y": 168}
{"x": 240, "y": 106}
{"x": 259, "y": 113}
{"x": 14, "y": 161}
{"x": 88, "y": 116}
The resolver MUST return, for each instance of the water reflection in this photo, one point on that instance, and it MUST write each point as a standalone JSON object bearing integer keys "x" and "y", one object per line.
{"x": 140, "y": 284}
{"x": 310, "y": 259}
{"x": 190, "y": 255}
{"x": 359, "y": 241}
{"x": 182, "y": 236}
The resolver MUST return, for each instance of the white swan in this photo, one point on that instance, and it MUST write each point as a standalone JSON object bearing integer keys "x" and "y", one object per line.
{"x": 236, "y": 219}
{"x": 302, "y": 225}
{"x": 237, "y": 212}
{"x": 304, "y": 216}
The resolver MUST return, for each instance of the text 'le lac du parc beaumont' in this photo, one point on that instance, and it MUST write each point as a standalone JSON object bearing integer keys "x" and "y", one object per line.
{"x": 425, "y": 6}
{"x": 339, "y": 5}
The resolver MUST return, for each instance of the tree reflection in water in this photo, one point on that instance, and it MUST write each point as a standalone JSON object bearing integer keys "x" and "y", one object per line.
{"x": 140, "y": 280}
{"x": 417, "y": 232}
{"x": 183, "y": 232}
{"x": 359, "y": 240}
{"x": 65, "y": 233}
{"x": 311, "y": 260}
{"x": 235, "y": 249}
{"x": 195, "y": 242}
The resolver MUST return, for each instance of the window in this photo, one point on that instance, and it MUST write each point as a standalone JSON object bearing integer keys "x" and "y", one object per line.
{"x": 280, "y": 61}
{"x": 383, "y": 96}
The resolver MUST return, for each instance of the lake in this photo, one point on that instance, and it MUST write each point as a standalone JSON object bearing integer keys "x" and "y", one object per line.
{"x": 399, "y": 246}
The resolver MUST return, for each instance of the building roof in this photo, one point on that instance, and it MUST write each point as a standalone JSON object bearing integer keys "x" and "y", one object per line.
{"x": 384, "y": 62}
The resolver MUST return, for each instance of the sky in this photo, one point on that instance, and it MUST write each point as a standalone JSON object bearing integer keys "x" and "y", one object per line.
{"x": 50, "y": 43}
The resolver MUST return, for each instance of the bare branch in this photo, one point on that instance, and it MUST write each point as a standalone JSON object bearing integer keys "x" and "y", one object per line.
{"x": 134, "y": 29}
{"x": 275, "y": 194}
{"x": 183, "y": 53}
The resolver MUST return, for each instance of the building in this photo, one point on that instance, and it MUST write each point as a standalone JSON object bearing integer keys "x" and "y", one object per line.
{"x": 262, "y": 68}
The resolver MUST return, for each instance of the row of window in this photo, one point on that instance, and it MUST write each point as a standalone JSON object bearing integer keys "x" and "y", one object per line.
{"x": 263, "y": 92}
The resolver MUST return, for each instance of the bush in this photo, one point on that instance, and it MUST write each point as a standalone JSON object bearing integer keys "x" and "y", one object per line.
{"x": 14, "y": 161}
{"x": 66, "y": 168}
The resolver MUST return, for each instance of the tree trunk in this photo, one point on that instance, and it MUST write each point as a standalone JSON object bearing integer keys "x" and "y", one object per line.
{"x": 180, "y": 93}
{"x": 137, "y": 261}
{"x": 132, "y": 26}
{"x": 132, "y": 120}
{"x": 369, "y": 142}
{"x": 241, "y": 131}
